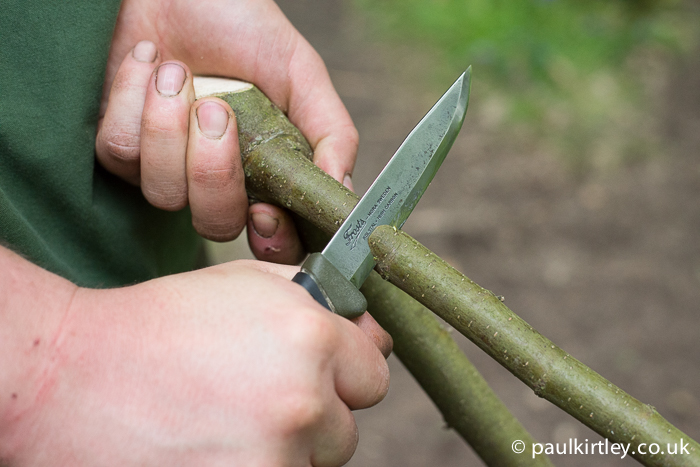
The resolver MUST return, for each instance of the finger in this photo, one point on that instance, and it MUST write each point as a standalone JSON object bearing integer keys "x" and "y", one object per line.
{"x": 119, "y": 131}
{"x": 316, "y": 108}
{"x": 272, "y": 235}
{"x": 375, "y": 332}
{"x": 215, "y": 180}
{"x": 164, "y": 134}
{"x": 335, "y": 149}
{"x": 338, "y": 437}
{"x": 362, "y": 374}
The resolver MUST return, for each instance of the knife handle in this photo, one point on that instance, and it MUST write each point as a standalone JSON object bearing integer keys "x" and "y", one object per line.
{"x": 307, "y": 281}
{"x": 330, "y": 288}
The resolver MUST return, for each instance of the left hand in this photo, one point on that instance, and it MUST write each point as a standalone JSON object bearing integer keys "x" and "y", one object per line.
{"x": 152, "y": 133}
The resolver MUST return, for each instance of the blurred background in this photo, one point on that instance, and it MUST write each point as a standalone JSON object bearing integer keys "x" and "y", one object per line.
{"x": 573, "y": 189}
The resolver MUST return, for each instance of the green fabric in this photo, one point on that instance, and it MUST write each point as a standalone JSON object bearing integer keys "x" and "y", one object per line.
{"x": 58, "y": 208}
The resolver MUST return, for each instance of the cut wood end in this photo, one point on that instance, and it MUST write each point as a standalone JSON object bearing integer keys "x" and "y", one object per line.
{"x": 211, "y": 86}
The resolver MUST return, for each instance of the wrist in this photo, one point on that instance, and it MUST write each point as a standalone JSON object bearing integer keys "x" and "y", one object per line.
{"x": 34, "y": 304}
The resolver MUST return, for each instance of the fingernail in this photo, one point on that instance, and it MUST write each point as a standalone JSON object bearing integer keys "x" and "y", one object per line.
{"x": 347, "y": 182}
{"x": 145, "y": 51}
{"x": 264, "y": 225}
{"x": 170, "y": 78}
{"x": 212, "y": 119}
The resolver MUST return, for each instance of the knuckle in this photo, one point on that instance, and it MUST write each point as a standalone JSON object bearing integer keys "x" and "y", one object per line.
{"x": 129, "y": 82}
{"x": 121, "y": 146}
{"x": 212, "y": 177}
{"x": 163, "y": 129}
{"x": 315, "y": 333}
{"x": 150, "y": 129}
{"x": 122, "y": 153}
{"x": 165, "y": 196}
{"x": 353, "y": 136}
{"x": 350, "y": 142}
{"x": 217, "y": 231}
{"x": 301, "y": 411}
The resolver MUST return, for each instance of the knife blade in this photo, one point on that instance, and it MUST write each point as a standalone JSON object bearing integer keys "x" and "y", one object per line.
{"x": 334, "y": 276}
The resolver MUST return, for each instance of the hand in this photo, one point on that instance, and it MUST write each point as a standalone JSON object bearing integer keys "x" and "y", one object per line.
{"x": 230, "y": 365}
{"x": 153, "y": 134}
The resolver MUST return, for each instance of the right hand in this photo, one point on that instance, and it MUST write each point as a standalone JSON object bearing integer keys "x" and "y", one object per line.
{"x": 230, "y": 365}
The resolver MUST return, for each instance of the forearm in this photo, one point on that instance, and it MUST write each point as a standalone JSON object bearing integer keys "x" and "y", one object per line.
{"x": 33, "y": 304}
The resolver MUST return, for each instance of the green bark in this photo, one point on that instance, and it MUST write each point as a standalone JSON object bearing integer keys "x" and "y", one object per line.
{"x": 551, "y": 372}
{"x": 432, "y": 356}
{"x": 276, "y": 162}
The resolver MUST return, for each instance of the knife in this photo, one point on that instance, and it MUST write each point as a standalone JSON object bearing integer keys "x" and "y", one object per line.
{"x": 334, "y": 276}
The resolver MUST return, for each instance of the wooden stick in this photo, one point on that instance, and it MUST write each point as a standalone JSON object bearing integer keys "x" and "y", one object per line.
{"x": 548, "y": 370}
{"x": 462, "y": 395}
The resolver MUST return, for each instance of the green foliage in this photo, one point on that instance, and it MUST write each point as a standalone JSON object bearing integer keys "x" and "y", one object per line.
{"x": 525, "y": 37}
{"x": 572, "y": 70}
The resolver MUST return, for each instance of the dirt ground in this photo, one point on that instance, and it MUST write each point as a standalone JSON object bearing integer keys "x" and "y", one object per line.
{"x": 607, "y": 265}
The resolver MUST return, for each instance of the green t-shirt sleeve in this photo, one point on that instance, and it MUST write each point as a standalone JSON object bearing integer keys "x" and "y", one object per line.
{"x": 59, "y": 208}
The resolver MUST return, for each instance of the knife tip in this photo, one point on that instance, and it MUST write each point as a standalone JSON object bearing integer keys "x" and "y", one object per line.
{"x": 466, "y": 85}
